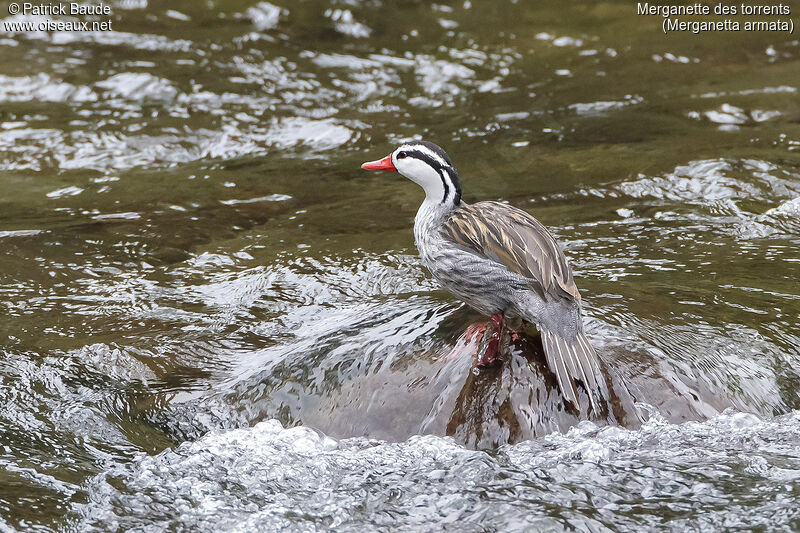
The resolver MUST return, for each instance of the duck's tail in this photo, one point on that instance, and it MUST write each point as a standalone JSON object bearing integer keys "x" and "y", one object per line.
{"x": 572, "y": 360}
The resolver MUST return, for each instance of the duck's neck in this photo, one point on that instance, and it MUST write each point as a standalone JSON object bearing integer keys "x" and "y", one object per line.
{"x": 431, "y": 214}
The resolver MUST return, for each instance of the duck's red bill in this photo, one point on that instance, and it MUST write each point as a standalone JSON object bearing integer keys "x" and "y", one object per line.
{"x": 380, "y": 164}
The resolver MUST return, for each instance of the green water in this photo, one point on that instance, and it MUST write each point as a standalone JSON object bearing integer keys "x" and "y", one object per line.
{"x": 188, "y": 245}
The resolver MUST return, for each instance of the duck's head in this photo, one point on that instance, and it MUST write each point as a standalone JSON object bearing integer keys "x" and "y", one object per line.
{"x": 427, "y": 165}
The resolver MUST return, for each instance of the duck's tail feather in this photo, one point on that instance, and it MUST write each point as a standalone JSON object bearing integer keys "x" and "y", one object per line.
{"x": 572, "y": 360}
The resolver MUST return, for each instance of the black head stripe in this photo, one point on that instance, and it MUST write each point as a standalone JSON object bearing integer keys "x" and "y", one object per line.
{"x": 436, "y": 165}
{"x": 442, "y": 170}
{"x": 435, "y": 148}
{"x": 422, "y": 156}
{"x": 444, "y": 183}
{"x": 456, "y": 183}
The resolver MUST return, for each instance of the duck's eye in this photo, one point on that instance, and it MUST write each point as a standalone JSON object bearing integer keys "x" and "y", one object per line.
{"x": 402, "y": 155}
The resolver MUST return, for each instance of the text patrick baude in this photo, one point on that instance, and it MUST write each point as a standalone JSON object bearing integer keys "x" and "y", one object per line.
{"x": 74, "y": 9}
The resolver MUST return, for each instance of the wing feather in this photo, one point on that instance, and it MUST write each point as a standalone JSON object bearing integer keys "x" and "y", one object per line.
{"x": 515, "y": 239}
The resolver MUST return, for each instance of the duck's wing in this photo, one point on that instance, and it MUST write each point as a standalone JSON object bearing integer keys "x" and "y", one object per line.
{"x": 513, "y": 238}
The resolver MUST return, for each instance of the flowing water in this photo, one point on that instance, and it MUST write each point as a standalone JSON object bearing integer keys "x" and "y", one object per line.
{"x": 211, "y": 319}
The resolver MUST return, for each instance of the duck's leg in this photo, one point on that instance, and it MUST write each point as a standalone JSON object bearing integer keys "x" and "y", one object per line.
{"x": 491, "y": 354}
